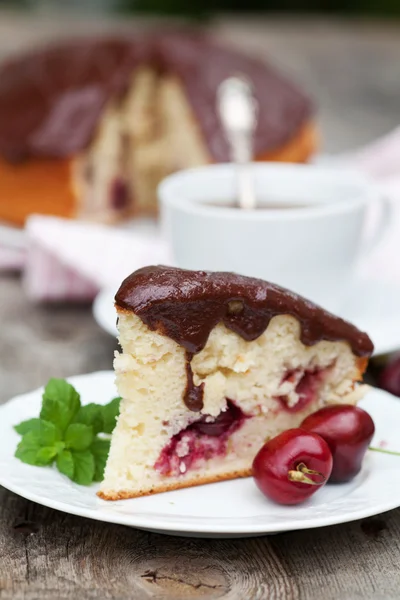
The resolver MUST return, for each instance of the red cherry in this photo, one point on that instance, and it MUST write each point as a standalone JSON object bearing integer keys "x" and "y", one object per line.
{"x": 348, "y": 431}
{"x": 292, "y": 466}
{"x": 389, "y": 378}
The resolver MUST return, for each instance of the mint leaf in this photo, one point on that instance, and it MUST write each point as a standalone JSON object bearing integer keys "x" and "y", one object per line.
{"x": 47, "y": 433}
{"x": 110, "y": 413}
{"x": 100, "y": 450}
{"x": 44, "y": 433}
{"x": 83, "y": 467}
{"x": 40, "y": 446}
{"x": 66, "y": 433}
{"x": 90, "y": 414}
{"x": 65, "y": 463}
{"x": 26, "y": 426}
{"x": 78, "y": 436}
{"x": 28, "y": 448}
{"x": 46, "y": 455}
{"x": 60, "y": 403}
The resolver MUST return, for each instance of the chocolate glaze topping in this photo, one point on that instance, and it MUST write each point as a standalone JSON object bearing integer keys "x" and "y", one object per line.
{"x": 187, "y": 305}
{"x": 202, "y": 65}
{"x": 51, "y": 99}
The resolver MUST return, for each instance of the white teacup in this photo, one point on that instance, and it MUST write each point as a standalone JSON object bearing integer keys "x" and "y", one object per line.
{"x": 309, "y": 241}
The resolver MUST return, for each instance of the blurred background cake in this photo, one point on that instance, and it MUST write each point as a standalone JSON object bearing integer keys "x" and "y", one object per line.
{"x": 89, "y": 127}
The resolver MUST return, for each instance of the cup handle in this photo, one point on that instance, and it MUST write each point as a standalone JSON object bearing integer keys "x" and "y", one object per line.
{"x": 382, "y": 224}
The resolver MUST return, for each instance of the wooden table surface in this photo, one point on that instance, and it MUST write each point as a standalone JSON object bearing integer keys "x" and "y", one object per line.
{"x": 353, "y": 70}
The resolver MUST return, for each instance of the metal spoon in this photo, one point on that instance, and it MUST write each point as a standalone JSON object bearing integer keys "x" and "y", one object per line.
{"x": 237, "y": 108}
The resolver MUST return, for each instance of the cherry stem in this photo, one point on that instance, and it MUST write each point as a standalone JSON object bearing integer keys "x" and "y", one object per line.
{"x": 300, "y": 475}
{"x": 384, "y": 451}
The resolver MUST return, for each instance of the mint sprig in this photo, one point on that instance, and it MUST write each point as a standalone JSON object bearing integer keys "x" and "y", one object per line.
{"x": 68, "y": 434}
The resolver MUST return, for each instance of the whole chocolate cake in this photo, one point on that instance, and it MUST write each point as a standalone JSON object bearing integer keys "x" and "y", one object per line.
{"x": 89, "y": 127}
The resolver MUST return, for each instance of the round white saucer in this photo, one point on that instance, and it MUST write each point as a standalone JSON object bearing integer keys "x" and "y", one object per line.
{"x": 373, "y": 307}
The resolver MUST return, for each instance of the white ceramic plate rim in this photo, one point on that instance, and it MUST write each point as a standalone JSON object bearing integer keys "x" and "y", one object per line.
{"x": 382, "y": 475}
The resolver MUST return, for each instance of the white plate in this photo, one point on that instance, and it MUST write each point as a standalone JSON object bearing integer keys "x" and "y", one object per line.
{"x": 364, "y": 308}
{"x": 232, "y": 508}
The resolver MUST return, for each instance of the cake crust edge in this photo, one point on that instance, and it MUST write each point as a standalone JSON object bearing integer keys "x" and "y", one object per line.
{"x": 176, "y": 485}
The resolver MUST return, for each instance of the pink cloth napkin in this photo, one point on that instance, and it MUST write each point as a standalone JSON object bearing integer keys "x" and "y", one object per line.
{"x": 71, "y": 261}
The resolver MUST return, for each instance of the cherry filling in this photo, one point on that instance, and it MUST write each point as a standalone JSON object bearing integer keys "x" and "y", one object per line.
{"x": 206, "y": 438}
{"x": 119, "y": 194}
{"x": 307, "y": 387}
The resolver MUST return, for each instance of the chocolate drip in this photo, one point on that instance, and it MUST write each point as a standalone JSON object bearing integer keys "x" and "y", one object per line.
{"x": 193, "y": 396}
{"x": 187, "y": 305}
{"x": 52, "y": 99}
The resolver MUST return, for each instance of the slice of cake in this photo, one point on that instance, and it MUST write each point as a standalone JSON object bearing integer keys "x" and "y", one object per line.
{"x": 89, "y": 127}
{"x": 213, "y": 365}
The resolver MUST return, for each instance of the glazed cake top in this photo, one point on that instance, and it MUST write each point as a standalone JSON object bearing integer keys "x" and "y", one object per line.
{"x": 51, "y": 99}
{"x": 187, "y": 305}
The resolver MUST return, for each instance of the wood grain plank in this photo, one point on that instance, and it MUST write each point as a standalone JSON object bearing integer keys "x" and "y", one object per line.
{"x": 47, "y": 554}
{"x": 42, "y": 341}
